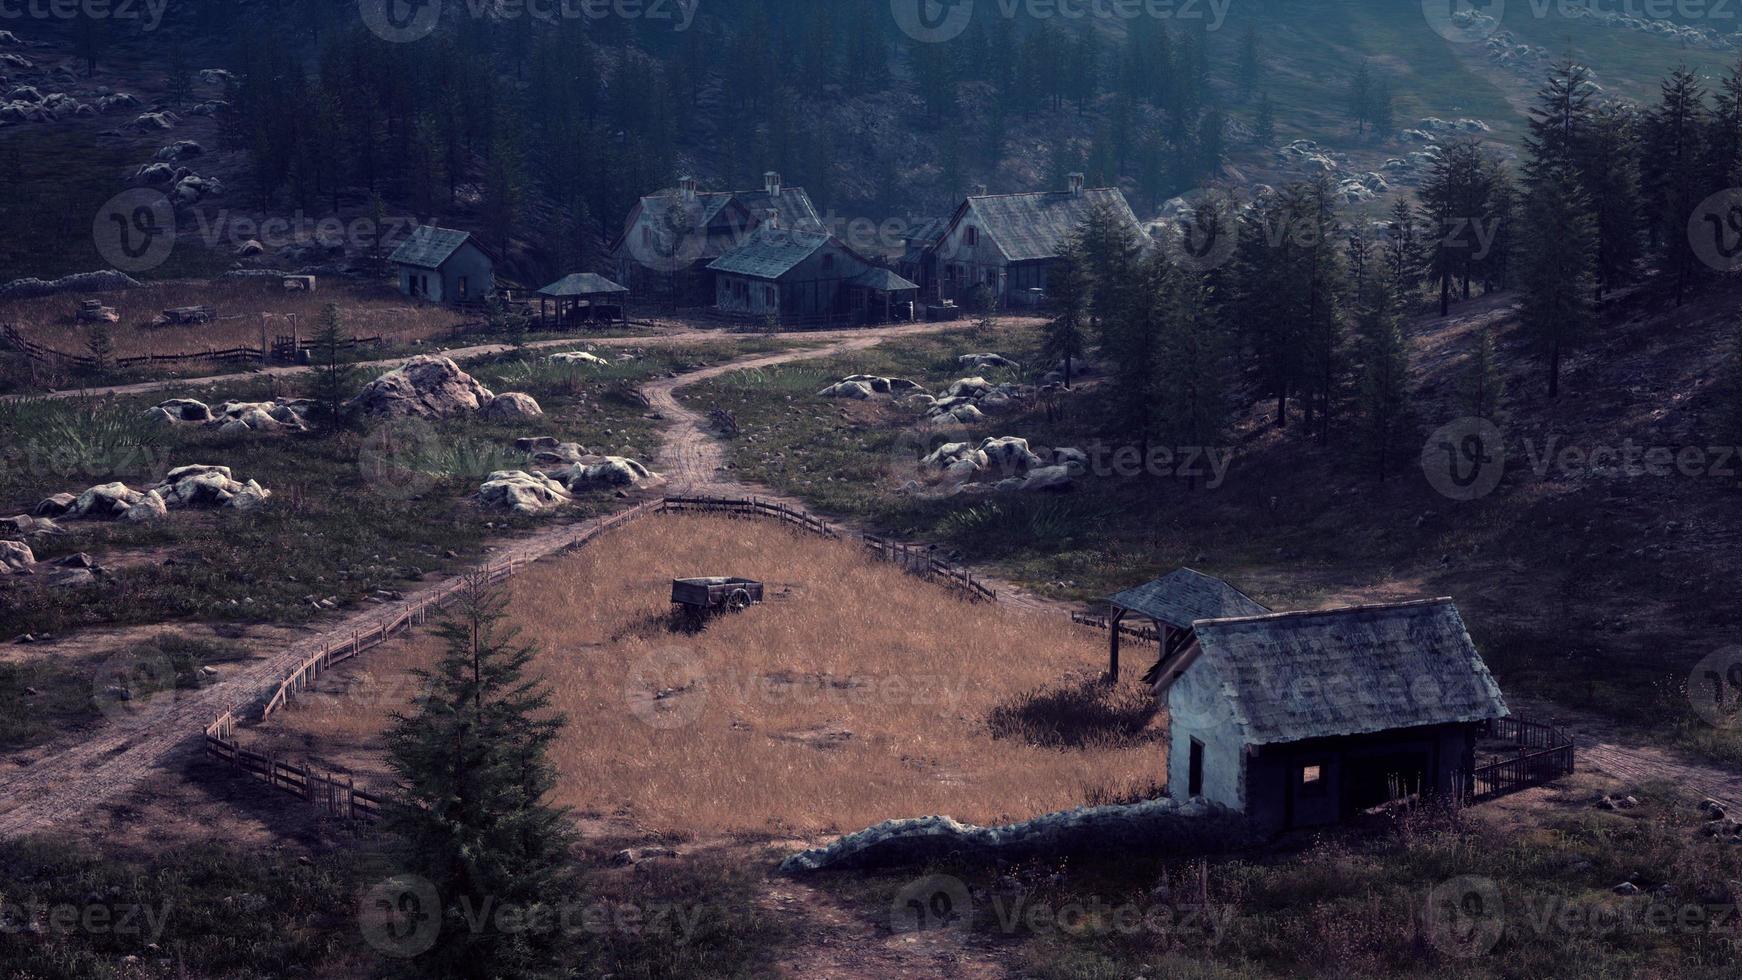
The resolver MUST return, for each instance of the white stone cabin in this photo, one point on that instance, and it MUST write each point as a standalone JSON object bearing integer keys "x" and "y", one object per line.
{"x": 1008, "y": 243}
{"x": 443, "y": 265}
{"x": 1307, "y": 719}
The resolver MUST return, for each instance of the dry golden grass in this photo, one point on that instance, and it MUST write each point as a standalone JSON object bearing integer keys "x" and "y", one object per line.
{"x": 864, "y": 694}
{"x": 367, "y": 310}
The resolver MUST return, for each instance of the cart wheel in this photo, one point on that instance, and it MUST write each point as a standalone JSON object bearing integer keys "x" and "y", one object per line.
{"x": 739, "y": 600}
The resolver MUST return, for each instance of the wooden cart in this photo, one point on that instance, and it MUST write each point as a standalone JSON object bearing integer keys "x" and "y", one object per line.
{"x": 699, "y": 598}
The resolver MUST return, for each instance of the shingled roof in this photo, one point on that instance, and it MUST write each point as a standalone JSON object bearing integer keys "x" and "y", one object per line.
{"x": 1182, "y": 597}
{"x": 728, "y": 216}
{"x": 582, "y": 284}
{"x": 427, "y": 247}
{"x": 770, "y": 253}
{"x": 1300, "y": 675}
{"x": 1034, "y": 226}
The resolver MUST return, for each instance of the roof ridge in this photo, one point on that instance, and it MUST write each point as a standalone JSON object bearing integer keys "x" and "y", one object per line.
{"x": 1086, "y": 190}
{"x": 1334, "y": 611}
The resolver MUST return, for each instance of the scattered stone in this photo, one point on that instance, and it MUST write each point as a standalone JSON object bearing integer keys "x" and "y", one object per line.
{"x": 107, "y": 280}
{"x": 250, "y": 249}
{"x": 149, "y": 508}
{"x": 108, "y": 500}
{"x": 636, "y": 855}
{"x": 425, "y": 387}
{"x": 611, "y": 471}
{"x": 16, "y": 556}
{"x": 855, "y": 390}
{"x": 1713, "y": 809}
{"x": 973, "y": 362}
{"x": 180, "y": 150}
{"x": 579, "y": 357}
{"x": 523, "y": 492}
{"x": 512, "y": 405}
{"x": 56, "y": 505}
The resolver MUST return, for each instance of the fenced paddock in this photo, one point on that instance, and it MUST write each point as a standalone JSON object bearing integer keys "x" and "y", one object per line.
{"x": 852, "y": 629}
{"x": 1544, "y": 753}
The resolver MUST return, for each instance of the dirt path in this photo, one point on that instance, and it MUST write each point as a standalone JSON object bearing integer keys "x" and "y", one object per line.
{"x": 1600, "y": 745}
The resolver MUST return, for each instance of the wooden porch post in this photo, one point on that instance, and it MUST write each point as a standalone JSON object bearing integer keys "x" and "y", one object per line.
{"x": 1113, "y": 646}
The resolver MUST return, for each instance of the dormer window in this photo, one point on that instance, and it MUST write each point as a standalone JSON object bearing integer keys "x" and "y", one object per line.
{"x": 972, "y": 236}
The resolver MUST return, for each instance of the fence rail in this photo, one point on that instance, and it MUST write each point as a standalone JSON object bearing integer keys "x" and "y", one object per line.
{"x": 1143, "y": 634}
{"x": 341, "y": 797}
{"x": 232, "y": 355}
{"x": 1545, "y": 753}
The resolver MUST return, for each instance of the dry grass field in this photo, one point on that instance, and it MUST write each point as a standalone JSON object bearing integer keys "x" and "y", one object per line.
{"x": 855, "y": 694}
{"x": 368, "y": 310}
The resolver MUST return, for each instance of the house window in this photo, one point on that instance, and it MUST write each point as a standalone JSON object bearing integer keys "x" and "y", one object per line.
{"x": 972, "y": 236}
{"x": 768, "y": 295}
{"x": 1195, "y": 773}
{"x": 462, "y": 287}
{"x": 1312, "y": 780}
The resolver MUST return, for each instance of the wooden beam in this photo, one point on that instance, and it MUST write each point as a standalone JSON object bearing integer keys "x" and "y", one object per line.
{"x": 1113, "y": 646}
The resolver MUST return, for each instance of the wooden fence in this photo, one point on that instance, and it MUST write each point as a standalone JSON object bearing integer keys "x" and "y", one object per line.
{"x": 342, "y": 798}
{"x": 1142, "y": 634}
{"x": 1545, "y": 753}
{"x": 60, "y": 360}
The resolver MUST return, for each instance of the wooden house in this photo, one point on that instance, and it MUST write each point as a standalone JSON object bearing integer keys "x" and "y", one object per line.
{"x": 671, "y": 238}
{"x": 443, "y": 266}
{"x": 1306, "y": 719}
{"x": 796, "y": 275}
{"x": 1007, "y": 244}
{"x": 1172, "y": 604}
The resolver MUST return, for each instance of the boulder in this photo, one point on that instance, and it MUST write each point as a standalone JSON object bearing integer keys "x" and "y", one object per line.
{"x": 55, "y": 506}
{"x": 25, "y": 93}
{"x": 953, "y": 456}
{"x": 26, "y": 526}
{"x": 107, "y": 500}
{"x": 251, "y": 496}
{"x": 155, "y": 121}
{"x": 194, "y": 188}
{"x": 855, "y": 390}
{"x": 579, "y": 357}
{"x": 16, "y": 556}
{"x": 968, "y": 388}
{"x": 1072, "y": 459}
{"x": 1047, "y": 478}
{"x": 155, "y": 175}
{"x": 511, "y": 406}
{"x": 180, "y": 150}
{"x": 250, "y": 249}
{"x": 187, "y": 409}
{"x": 522, "y": 492}
{"x": 972, "y": 362}
{"x": 426, "y": 387}
{"x": 107, "y": 280}
{"x": 612, "y": 471}
{"x": 1161, "y": 826}
{"x": 966, "y": 414}
{"x": 149, "y": 508}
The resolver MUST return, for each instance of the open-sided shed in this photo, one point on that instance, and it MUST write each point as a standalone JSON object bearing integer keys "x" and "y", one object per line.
{"x": 1173, "y": 603}
{"x": 582, "y": 296}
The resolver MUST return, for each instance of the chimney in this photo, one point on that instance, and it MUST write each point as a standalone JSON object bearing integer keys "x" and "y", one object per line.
{"x": 978, "y": 190}
{"x": 687, "y": 187}
{"x": 771, "y": 183}
{"x": 1076, "y": 184}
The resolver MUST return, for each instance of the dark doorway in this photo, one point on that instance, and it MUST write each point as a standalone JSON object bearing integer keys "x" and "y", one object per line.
{"x": 1195, "y": 776}
{"x": 1374, "y": 780}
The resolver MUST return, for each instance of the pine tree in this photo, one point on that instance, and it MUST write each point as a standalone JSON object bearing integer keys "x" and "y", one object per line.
{"x": 1070, "y": 289}
{"x": 1191, "y": 405}
{"x": 1674, "y": 157}
{"x": 1560, "y": 258}
{"x": 1388, "y": 421}
{"x": 1358, "y": 101}
{"x": 1264, "y": 122}
{"x": 334, "y": 379}
{"x": 1405, "y": 262}
{"x": 1110, "y": 252}
{"x": 1609, "y": 165}
{"x": 1558, "y": 123}
{"x": 100, "y": 344}
{"x": 473, "y": 819}
{"x": 1484, "y": 389}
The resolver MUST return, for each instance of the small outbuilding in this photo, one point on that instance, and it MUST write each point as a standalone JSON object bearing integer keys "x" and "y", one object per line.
{"x": 443, "y": 265}
{"x": 1172, "y": 604}
{"x": 583, "y": 297}
{"x": 1306, "y": 719}
{"x": 800, "y": 276}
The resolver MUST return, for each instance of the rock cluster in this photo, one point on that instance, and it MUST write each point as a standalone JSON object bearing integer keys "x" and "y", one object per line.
{"x": 1000, "y": 465}
{"x": 523, "y": 492}
{"x": 530, "y": 491}
{"x": 579, "y": 357}
{"x": 431, "y": 386}
{"x": 860, "y": 387}
{"x": 82, "y": 282}
{"x": 289, "y": 415}
{"x": 185, "y": 487}
{"x": 969, "y": 400}
{"x": 1151, "y": 827}
{"x": 982, "y": 362}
